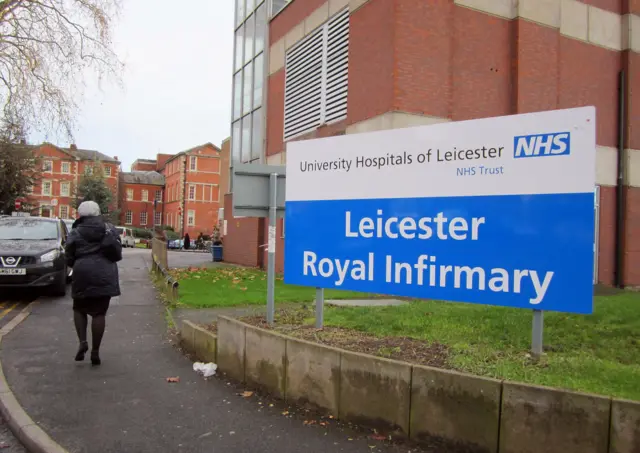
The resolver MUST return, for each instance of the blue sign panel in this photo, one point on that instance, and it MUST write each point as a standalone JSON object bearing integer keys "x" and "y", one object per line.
{"x": 449, "y": 212}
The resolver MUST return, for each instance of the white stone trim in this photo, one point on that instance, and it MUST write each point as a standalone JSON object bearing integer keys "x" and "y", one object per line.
{"x": 605, "y": 28}
{"x": 506, "y": 9}
{"x": 631, "y": 32}
{"x": 606, "y": 165}
{"x": 393, "y": 120}
{"x": 632, "y": 167}
{"x": 545, "y": 12}
{"x": 574, "y": 19}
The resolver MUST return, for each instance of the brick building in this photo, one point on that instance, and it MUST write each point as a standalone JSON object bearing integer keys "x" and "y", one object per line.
{"x": 186, "y": 186}
{"x": 62, "y": 169}
{"x": 141, "y": 195}
{"x": 352, "y": 66}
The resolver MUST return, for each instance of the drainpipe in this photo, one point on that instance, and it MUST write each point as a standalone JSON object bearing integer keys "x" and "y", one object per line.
{"x": 620, "y": 198}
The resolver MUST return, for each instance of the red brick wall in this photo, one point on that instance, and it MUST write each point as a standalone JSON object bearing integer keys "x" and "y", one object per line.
{"x": 443, "y": 60}
{"x": 243, "y": 239}
{"x": 144, "y": 166}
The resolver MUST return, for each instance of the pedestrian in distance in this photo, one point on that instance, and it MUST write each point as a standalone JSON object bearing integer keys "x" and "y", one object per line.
{"x": 93, "y": 251}
{"x": 187, "y": 241}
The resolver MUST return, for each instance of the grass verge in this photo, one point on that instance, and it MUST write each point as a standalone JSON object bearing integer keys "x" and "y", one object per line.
{"x": 599, "y": 353}
{"x": 230, "y": 286}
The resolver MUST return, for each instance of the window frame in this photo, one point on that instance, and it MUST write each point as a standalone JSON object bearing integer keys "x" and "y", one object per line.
{"x": 47, "y": 166}
{"x": 62, "y": 167}
{"x": 146, "y": 218}
{"x": 66, "y": 193}
{"x": 128, "y": 218}
{"x": 191, "y": 216}
{"x": 50, "y": 183}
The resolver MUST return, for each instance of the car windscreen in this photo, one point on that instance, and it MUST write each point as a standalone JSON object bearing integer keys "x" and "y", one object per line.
{"x": 28, "y": 229}
{"x": 120, "y": 231}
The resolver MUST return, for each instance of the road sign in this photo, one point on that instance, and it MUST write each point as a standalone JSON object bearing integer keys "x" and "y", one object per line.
{"x": 18, "y": 204}
{"x": 493, "y": 211}
{"x": 251, "y": 190}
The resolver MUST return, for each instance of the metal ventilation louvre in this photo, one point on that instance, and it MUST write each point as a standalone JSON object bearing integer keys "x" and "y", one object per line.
{"x": 316, "y": 78}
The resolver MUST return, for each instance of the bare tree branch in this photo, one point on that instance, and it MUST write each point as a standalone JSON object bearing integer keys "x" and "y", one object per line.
{"x": 48, "y": 48}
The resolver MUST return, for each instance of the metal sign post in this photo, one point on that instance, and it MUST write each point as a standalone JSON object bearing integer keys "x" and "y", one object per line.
{"x": 319, "y": 308}
{"x": 259, "y": 191}
{"x": 271, "y": 248}
{"x": 536, "y": 333}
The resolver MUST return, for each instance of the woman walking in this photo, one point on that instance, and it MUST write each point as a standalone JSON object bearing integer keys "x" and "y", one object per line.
{"x": 93, "y": 249}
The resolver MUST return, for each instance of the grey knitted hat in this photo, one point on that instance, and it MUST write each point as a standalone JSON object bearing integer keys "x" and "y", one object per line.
{"x": 88, "y": 209}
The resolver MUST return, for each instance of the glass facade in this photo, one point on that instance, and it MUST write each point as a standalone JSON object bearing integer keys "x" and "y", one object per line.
{"x": 248, "y": 80}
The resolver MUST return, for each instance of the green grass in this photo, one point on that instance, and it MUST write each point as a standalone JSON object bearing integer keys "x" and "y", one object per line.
{"x": 236, "y": 286}
{"x": 599, "y": 353}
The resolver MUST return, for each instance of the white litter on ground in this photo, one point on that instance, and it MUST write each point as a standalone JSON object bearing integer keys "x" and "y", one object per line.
{"x": 205, "y": 369}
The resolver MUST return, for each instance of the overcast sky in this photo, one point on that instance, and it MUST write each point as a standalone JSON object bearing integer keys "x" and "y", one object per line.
{"x": 177, "y": 91}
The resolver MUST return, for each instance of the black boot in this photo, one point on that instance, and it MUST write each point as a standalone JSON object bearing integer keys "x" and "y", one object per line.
{"x": 82, "y": 350}
{"x": 95, "y": 358}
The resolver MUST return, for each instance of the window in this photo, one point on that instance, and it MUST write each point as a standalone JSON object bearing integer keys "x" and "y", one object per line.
{"x": 64, "y": 212}
{"x": 256, "y": 145}
{"x": 107, "y": 172}
{"x": 66, "y": 168}
{"x": 158, "y": 196}
{"x": 191, "y": 218}
{"x": 193, "y": 163}
{"x": 240, "y": 11}
{"x": 247, "y": 91}
{"x": 145, "y": 195}
{"x": 258, "y": 77}
{"x": 143, "y": 218}
{"x": 236, "y": 140}
{"x": 158, "y": 218}
{"x": 128, "y": 218}
{"x": 47, "y": 166}
{"x": 249, "y": 32}
{"x": 261, "y": 25}
{"x": 192, "y": 192}
{"x": 237, "y": 95}
{"x": 246, "y": 139}
{"x": 129, "y": 194}
{"x": 65, "y": 189}
{"x": 239, "y": 48}
{"x": 46, "y": 187}
{"x": 316, "y": 78}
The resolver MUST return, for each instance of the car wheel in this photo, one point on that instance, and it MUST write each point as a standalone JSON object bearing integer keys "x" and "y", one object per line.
{"x": 60, "y": 288}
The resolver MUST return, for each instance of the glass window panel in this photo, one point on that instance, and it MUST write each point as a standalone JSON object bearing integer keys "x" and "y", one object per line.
{"x": 258, "y": 77}
{"x": 249, "y": 33}
{"x": 237, "y": 95}
{"x": 278, "y": 5}
{"x": 261, "y": 25}
{"x": 239, "y": 48}
{"x": 250, "y": 5}
{"x": 256, "y": 145}
{"x": 236, "y": 140}
{"x": 240, "y": 12}
{"x": 248, "y": 88}
{"x": 246, "y": 138}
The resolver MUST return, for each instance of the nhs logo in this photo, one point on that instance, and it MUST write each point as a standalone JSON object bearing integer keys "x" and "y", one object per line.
{"x": 540, "y": 145}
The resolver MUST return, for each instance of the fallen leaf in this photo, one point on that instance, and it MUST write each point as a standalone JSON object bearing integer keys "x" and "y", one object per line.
{"x": 309, "y": 422}
{"x": 378, "y": 437}
{"x": 247, "y": 394}
{"x": 285, "y": 413}
{"x": 323, "y": 423}
{"x": 173, "y": 379}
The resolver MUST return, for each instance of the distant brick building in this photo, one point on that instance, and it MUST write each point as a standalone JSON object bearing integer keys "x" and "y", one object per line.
{"x": 141, "y": 195}
{"x": 187, "y": 186}
{"x": 62, "y": 169}
{"x": 387, "y": 64}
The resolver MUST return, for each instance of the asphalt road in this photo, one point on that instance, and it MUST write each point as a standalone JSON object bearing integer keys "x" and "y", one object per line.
{"x": 128, "y": 405}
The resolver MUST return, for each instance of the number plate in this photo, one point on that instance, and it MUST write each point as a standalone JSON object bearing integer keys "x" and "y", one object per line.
{"x": 13, "y": 272}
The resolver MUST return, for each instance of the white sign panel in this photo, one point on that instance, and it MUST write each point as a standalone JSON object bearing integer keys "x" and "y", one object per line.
{"x": 494, "y": 211}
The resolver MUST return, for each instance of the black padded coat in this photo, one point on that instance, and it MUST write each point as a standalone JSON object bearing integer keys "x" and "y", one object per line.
{"x": 93, "y": 249}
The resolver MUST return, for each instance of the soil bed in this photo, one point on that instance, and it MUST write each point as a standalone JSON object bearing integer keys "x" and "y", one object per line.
{"x": 294, "y": 323}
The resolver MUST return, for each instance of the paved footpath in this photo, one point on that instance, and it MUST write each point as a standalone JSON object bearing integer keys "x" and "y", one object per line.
{"x": 126, "y": 405}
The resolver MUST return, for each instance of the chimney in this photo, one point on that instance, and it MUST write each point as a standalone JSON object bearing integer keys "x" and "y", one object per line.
{"x": 115, "y": 157}
{"x": 73, "y": 147}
